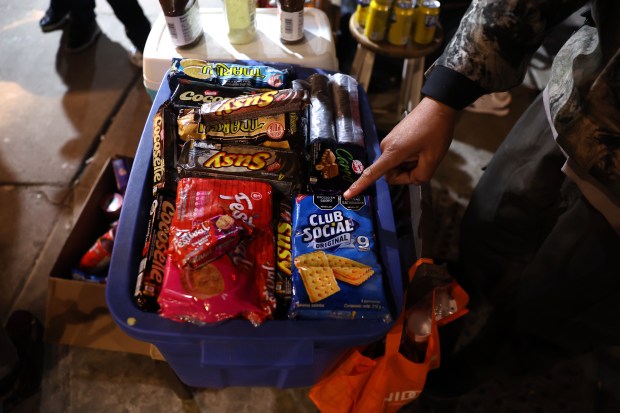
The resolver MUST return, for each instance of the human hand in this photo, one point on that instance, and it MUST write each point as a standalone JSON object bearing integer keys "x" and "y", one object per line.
{"x": 413, "y": 149}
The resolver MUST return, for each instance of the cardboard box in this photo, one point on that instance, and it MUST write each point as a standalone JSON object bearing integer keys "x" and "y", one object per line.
{"x": 77, "y": 312}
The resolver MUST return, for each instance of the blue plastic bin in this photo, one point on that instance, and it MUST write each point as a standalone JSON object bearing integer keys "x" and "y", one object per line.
{"x": 279, "y": 353}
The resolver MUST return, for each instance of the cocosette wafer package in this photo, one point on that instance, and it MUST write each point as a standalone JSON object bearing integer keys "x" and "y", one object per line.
{"x": 336, "y": 273}
{"x": 153, "y": 262}
{"x": 221, "y": 254}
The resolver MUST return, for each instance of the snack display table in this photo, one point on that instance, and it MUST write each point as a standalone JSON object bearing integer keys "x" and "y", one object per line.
{"x": 317, "y": 50}
{"x": 278, "y": 353}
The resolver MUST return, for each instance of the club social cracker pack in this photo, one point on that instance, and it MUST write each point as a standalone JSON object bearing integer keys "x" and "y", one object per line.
{"x": 336, "y": 273}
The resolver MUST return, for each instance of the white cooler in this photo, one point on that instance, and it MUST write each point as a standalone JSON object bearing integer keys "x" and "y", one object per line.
{"x": 316, "y": 51}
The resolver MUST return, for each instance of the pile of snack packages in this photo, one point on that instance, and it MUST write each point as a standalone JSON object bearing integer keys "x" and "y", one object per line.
{"x": 94, "y": 264}
{"x": 247, "y": 219}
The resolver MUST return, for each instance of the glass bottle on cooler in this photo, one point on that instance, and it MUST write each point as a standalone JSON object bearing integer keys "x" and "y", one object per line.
{"x": 241, "y": 17}
{"x": 291, "y": 15}
{"x": 183, "y": 21}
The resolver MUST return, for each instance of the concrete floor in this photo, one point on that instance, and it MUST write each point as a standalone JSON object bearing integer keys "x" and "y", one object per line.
{"x": 62, "y": 117}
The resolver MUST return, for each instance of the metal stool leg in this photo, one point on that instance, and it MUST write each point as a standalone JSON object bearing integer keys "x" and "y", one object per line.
{"x": 412, "y": 77}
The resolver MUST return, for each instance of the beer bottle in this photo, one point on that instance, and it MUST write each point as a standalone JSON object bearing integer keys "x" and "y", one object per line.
{"x": 183, "y": 21}
{"x": 291, "y": 13}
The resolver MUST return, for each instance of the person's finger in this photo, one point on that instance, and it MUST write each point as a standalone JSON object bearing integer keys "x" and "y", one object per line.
{"x": 369, "y": 176}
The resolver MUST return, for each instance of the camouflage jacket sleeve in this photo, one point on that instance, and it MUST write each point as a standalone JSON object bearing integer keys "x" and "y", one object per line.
{"x": 492, "y": 47}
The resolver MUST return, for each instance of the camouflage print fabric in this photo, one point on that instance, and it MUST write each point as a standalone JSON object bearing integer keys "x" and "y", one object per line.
{"x": 495, "y": 42}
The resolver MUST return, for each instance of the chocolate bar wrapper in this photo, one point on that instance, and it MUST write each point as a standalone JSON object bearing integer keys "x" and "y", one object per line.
{"x": 152, "y": 265}
{"x": 283, "y": 130}
{"x": 284, "y": 256}
{"x": 333, "y": 167}
{"x": 264, "y": 104}
{"x": 122, "y": 167}
{"x": 321, "y": 112}
{"x": 346, "y": 109}
{"x": 165, "y": 149}
{"x": 229, "y": 74}
{"x": 280, "y": 168}
{"x": 193, "y": 93}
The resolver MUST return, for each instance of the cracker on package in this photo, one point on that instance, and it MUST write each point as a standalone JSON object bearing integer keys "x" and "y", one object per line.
{"x": 280, "y": 168}
{"x": 336, "y": 271}
{"x": 229, "y": 74}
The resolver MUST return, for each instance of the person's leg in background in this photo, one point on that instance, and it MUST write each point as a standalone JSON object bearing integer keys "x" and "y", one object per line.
{"x": 540, "y": 257}
{"x": 79, "y": 15}
{"x": 137, "y": 26}
{"x": 56, "y": 16}
{"x": 83, "y": 27}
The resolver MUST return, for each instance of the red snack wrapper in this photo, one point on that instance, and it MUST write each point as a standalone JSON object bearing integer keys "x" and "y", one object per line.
{"x": 208, "y": 240}
{"x": 203, "y": 284}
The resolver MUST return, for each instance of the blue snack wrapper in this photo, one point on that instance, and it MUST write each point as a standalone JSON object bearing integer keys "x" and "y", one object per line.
{"x": 336, "y": 273}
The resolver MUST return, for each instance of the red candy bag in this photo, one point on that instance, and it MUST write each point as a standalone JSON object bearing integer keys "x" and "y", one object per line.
{"x": 221, "y": 257}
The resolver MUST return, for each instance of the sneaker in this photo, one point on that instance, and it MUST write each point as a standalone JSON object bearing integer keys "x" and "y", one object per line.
{"x": 81, "y": 36}
{"x": 491, "y": 104}
{"x": 53, "y": 20}
{"x": 135, "y": 57}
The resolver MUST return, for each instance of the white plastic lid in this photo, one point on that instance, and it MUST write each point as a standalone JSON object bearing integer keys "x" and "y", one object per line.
{"x": 316, "y": 51}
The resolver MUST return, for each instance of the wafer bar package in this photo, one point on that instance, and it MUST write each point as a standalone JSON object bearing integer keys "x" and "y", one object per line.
{"x": 193, "y": 93}
{"x": 153, "y": 262}
{"x": 229, "y": 74}
{"x": 283, "y": 130}
{"x": 280, "y": 168}
{"x": 321, "y": 112}
{"x": 346, "y": 109}
{"x": 333, "y": 167}
{"x": 165, "y": 149}
{"x": 284, "y": 256}
{"x": 336, "y": 273}
{"x": 263, "y": 104}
